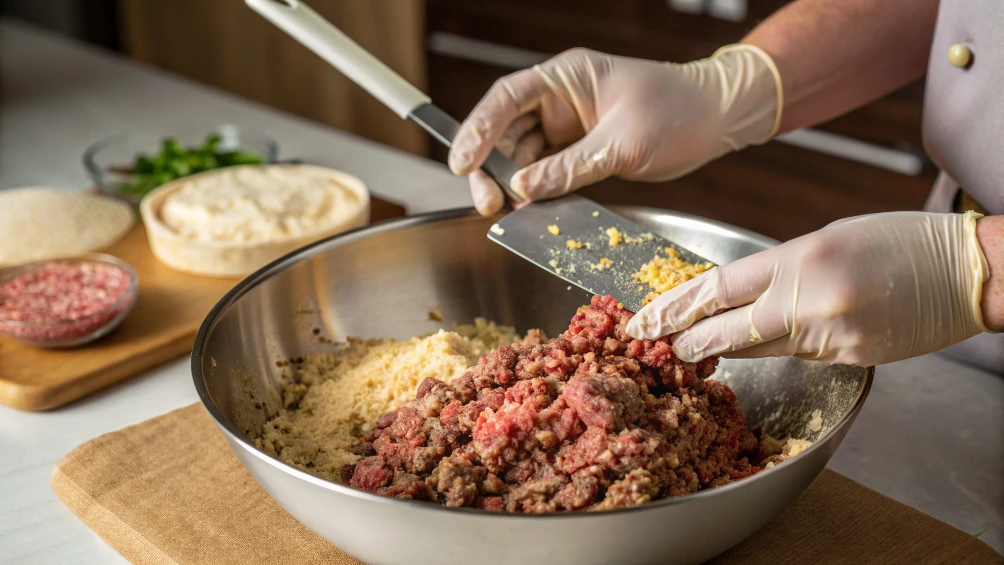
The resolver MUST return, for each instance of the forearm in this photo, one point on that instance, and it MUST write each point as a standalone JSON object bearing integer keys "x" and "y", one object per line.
{"x": 836, "y": 55}
{"x": 990, "y": 233}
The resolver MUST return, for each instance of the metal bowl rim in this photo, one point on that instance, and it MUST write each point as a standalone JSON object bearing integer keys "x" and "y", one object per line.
{"x": 394, "y": 224}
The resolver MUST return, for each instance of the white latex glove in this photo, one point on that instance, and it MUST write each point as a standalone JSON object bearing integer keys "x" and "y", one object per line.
{"x": 588, "y": 116}
{"x": 862, "y": 291}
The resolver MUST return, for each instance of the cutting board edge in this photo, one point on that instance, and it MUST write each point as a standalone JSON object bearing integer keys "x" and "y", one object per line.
{"x": 35, "y": 398}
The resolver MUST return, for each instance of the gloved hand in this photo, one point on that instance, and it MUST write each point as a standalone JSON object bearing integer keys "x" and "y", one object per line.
{"x": 862, "y": 291}
{"x": 588, "y": 116}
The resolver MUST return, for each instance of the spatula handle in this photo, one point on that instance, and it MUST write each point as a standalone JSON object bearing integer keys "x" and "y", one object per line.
{"x": 328, "y": 42}
{"x": 318, "y": 35}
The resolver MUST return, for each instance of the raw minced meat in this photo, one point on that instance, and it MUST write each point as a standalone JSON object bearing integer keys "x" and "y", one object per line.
{"x": 61, "y": 292}
{"x": 60, "y": 301}
{"x": 590, "y": 420}
{"x": 333, "y": 398}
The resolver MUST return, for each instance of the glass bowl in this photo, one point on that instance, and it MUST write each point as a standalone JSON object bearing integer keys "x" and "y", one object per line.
{"x": 109, "y": 161}
{"x": 75, "y": 331}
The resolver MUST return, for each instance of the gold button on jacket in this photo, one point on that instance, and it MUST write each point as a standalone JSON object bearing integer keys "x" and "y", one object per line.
{"x": 959, "y": 55}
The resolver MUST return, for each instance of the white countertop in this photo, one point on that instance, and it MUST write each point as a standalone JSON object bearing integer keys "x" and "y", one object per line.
{"x": 931, "y": 434}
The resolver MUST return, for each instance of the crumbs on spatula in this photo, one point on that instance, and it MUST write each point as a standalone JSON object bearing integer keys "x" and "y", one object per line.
{"x": 602, "y": 265}
{"x": 664, "y": 273}
{"x": 615, "y": 236}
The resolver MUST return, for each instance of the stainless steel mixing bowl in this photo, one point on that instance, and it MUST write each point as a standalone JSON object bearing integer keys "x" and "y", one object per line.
{"x": 382, "y": 281}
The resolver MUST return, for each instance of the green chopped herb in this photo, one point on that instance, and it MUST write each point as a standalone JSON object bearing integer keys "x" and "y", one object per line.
{"x": 174, "y": 161}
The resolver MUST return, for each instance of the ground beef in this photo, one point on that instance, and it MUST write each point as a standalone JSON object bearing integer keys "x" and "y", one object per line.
{"x": 61, "y": 301}
{"x": 590, "y": 420}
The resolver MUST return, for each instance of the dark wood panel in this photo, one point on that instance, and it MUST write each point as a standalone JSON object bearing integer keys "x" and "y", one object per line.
{"x": 893, "y": 121}
{"x": 547, "y": 30}
{"x": 625, "y": 20}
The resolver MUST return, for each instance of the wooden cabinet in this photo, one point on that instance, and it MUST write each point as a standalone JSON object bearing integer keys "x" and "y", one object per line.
{"x": 227, "y": 45}
{"x": 780, "y": 189}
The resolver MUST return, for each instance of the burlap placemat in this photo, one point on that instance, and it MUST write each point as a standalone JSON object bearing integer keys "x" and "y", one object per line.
{"x": 169, "y": 490}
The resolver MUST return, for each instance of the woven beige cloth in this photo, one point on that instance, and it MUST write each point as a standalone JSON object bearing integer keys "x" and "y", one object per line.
{"x": 169, "y": 490}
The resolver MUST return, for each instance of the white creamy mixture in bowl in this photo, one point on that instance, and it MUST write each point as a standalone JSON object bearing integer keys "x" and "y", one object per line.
{"x": 229, "y": 222}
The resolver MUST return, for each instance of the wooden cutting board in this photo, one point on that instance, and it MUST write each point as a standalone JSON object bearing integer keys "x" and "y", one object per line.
{"x": 169, "y": 310}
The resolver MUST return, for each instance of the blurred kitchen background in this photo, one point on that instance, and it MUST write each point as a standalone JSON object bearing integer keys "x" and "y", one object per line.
{"x": 869, "y": 161}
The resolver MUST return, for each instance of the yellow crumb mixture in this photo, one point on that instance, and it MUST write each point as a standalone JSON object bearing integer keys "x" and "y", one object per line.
{"x": 664, "y": 273}
{"x": 615, "y": 236}
{"x": 603, "y": 264}
{"x": 334, "y": 398}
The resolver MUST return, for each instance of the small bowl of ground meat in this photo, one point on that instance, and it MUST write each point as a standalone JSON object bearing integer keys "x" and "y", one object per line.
{"x": 66, "y": 302}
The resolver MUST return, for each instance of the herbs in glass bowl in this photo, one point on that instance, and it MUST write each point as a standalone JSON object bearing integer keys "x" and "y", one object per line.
{"x": 130, "y": 165}
{"x": 174, "y": 161}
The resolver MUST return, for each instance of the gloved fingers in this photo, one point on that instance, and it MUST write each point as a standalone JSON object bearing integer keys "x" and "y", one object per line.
{"x": 844, "y": 221}
{"x": 732, "y": 331}
{"x": 529, "y": 148}
{"x": 508, "y": 99}
{"x": 561, "y": 123}
{"x": 515, "y": 132}
{"x": 780, "y": 347}
{"x": 785, "y": 346}
{"x": 488, "y": 197}
{"x": 575, "y": 80}
{"x": 728, "y": 286}
{"x": 587, "y": 161}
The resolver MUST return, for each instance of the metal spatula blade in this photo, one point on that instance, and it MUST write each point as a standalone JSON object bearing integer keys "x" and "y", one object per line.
{"x": 590, "y": 261}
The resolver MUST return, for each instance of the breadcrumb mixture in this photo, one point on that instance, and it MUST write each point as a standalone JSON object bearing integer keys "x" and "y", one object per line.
{"x": 615, "y": 236}
{"x": 664, "y": 273}
{"x": 333, "y": 398}
{"x": 774, "y": 451}
{"x": 603, "y": 264}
